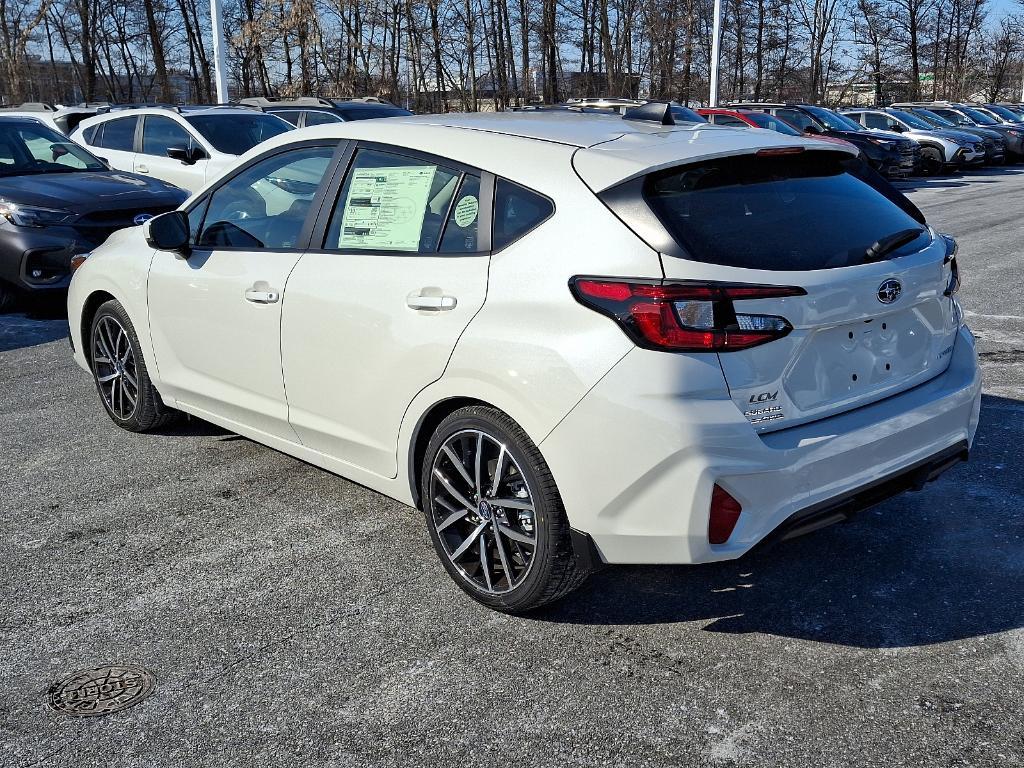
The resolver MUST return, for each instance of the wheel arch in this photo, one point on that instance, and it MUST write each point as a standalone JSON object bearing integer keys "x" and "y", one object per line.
{"x": 90, "y": 307}
{"x": 424, "y": 430}
{"x": 931, "y": 144}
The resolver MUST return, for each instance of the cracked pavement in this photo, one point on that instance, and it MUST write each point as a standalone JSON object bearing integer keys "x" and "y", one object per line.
{"x": 294, "y": 618}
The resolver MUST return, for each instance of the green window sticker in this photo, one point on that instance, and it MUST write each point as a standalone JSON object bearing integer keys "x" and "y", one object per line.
{"x": 386, "y": 207}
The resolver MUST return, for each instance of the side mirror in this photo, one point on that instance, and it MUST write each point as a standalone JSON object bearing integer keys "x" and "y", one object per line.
{"x": 896, "y": 127}
{"x": 169, "y": 232}
{"x": 813, "y": 130}
{"x": 185, "y": 155}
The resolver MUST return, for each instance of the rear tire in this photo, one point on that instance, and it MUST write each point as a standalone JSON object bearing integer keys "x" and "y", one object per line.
{"x": 512, "y": 556}
{"x": 119, "y": 370}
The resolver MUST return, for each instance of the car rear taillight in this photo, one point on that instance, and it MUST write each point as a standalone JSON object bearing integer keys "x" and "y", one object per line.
{"x": 954, "y": 269}
{"x": 725, "y": 513}
{"x": 685, "y": 316}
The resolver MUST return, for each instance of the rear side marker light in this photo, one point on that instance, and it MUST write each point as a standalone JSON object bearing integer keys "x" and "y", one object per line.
{"x": 725, "y": 513}
{"x": 685, "y": 316}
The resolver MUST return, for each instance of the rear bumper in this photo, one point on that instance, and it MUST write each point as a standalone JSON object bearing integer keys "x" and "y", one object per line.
{"x": 845, "y": 506}
{"x": 637, "y": 459}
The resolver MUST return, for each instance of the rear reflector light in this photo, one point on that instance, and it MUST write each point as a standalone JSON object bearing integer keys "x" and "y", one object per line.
{"x": 685, "y": 316}
{"x": 775, "y": 151}
{"x": 725, "y": 513}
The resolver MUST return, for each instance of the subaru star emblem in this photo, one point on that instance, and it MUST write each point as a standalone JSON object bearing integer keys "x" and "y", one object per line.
{"x": 142, "y": 218}
{"x": 889, "y": 291}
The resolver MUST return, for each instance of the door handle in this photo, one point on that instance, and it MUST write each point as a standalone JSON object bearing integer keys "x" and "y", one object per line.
{"x": 142, "y": 168}
{"x": 431, "y": 303}
{"x": 261, "y": 297}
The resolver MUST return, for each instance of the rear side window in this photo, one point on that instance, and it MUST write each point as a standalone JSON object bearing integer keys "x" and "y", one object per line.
{"x": 393, "y": 202}
{"x": 789, "y": 212}
{"x": 89, "y": 133}
{"x": 517, "y": 210}
{"x": 316, "y": 117}
{"x": 119, "y": 134}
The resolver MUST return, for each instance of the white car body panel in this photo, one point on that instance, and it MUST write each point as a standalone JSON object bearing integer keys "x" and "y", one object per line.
{"x": 191, "y": 177}
{"x": 192, "y": 300}
{"x": 341, "y": 372}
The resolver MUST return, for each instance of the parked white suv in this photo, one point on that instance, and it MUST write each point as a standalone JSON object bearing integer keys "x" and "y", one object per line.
{"x": 569, "y": 339}
{"x": 186, "y": 146}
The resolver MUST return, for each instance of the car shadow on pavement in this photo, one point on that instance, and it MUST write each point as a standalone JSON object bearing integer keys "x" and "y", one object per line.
{"x": 940, "y": 565}
{"x": 986, "y": 175}
{"x": 18, "y": 331}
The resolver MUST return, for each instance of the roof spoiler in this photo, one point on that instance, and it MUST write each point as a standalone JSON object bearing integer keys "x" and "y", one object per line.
{"x": 651, "y": 112}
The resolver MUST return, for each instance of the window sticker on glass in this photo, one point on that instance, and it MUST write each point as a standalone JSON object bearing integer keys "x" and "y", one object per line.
{"x": 466, "y": 211}
{"x": 386, "y": 207}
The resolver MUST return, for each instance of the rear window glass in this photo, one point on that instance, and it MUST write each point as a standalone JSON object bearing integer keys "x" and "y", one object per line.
{"x": 790, "y": 212}
{"x": 119, "y": 134}
{"x": 517, "y": 210}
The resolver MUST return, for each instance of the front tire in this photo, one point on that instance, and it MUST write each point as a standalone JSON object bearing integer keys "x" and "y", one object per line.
{"x": 931, "y": 161}
{"x": 494, "y": 513}
{"x": 120, "y": 373}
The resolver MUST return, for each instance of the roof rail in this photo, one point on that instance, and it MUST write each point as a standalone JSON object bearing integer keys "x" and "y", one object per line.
{"x": 123, "y": 107}
{"x": 30, "y": 106}
{"x": 226, "y": 105}
{"x": 652, "y": 112}
{"x": 281, "y": 101}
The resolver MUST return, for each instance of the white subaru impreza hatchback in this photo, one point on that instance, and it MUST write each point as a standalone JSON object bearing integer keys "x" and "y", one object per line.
{"x": 568, "y": 339}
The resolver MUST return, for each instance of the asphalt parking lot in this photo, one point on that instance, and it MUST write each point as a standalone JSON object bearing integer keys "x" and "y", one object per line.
{"x": 293, "y": 618}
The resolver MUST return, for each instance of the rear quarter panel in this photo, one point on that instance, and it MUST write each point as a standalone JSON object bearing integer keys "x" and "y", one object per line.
{"x": 532, "y": 350}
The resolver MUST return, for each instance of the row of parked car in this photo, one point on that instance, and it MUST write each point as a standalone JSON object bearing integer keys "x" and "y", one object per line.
{"x": 904, "y": 139}
{"x": 71, "y": 176}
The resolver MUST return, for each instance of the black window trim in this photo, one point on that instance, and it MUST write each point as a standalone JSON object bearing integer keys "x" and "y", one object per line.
{"x": 315, "y": 207}
{"x": 487, "y": 181}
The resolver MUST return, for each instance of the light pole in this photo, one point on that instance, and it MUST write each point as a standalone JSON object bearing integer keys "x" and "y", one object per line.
{"x": 220, "y": 68}
{"x": 715, "y": 53}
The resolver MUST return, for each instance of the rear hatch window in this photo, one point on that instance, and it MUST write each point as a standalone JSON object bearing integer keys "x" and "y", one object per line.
{"x": 875, "y": 318}
{"x": 788, "y": 212}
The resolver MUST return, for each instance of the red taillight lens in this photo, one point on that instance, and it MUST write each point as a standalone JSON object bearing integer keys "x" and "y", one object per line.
{"x": 685, "y": 316}
{"x": 725, "y": 513}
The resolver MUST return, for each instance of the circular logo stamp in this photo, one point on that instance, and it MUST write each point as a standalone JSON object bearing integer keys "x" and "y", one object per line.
{"x": 101, "y": 691}
{"x": 484, "y": 510}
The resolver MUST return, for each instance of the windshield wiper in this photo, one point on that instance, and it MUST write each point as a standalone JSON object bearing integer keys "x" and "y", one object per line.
{"x": 883, "y": 246}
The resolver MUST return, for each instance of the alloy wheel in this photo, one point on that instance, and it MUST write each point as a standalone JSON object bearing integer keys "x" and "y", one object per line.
{"x": 483, "y": 511}
{"x": 114, "y": 367}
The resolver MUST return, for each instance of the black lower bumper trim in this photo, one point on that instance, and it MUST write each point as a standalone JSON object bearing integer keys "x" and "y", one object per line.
{"x": 843, "y": 507}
